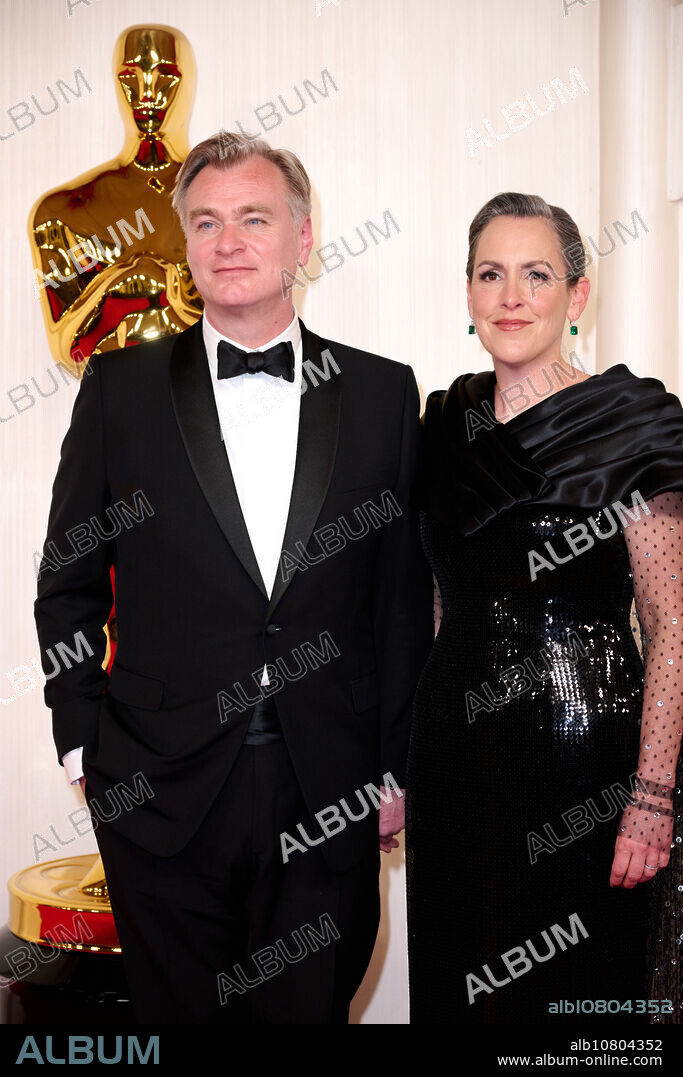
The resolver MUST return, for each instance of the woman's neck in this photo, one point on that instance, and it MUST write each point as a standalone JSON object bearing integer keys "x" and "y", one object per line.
{"x": 521, "y": 385}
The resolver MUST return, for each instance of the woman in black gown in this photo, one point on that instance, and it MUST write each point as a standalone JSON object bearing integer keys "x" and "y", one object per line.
{"x": 539, "y": 808}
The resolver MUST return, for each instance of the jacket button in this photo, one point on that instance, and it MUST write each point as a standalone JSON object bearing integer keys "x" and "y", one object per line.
{"x": 272, "y": 629}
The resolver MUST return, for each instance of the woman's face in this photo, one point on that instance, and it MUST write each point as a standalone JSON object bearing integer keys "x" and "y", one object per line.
{"x": 518, "y": 295}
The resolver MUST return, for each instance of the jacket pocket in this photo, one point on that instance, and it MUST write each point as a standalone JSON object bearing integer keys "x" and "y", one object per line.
{"x": 365, "y": 692}
{"x": 137, "y": 689}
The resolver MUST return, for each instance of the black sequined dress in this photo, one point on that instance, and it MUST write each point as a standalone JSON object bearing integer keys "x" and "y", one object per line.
{"x": 526, "y": 734}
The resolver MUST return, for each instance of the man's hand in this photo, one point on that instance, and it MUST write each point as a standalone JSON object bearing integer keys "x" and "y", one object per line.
{"x": 392, "y": 819}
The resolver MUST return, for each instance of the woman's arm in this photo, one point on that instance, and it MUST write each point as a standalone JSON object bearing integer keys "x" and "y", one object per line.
{"x": 655, "y": 549}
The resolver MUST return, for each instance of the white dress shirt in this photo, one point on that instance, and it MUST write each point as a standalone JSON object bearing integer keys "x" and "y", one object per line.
{"x": 259, "y": 420}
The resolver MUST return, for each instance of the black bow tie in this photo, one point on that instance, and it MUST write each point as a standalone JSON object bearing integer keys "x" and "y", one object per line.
{"x": 278, "y": 361}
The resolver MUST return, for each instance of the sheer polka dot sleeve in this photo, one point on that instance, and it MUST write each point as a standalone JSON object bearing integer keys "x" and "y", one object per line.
{"x": 655, "y": 547}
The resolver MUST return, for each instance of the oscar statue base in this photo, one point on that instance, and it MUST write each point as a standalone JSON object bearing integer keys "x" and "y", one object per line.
{"x": 60, "y": 959}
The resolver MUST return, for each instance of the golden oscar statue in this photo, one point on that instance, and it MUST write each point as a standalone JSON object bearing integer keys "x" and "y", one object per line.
{"x": 108, "y": 249}
{"x": 110, "y": 271}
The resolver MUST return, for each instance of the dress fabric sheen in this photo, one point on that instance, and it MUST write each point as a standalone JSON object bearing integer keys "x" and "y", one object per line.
{"x": 526, "y": 731}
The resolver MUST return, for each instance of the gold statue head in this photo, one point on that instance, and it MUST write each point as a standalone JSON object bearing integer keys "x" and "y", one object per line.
{"x": 154, "y": 69}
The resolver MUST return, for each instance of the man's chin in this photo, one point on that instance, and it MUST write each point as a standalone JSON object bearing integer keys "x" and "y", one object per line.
{"x": 237, "y": 302}
{"x": 234, "y": 297}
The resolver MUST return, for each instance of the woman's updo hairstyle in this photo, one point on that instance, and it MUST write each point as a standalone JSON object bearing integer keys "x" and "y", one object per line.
{"x": 512, "y": 204}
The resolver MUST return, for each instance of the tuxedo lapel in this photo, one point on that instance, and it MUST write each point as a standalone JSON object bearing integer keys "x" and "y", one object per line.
{"x": 194, "y": 404}
{"x": 195, "y": 409}
{"x": 315, "y": 456}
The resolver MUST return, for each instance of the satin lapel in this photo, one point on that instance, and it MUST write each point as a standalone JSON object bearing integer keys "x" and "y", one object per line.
{"x": 195, "y": 409}
{"x": 315, "y": 455}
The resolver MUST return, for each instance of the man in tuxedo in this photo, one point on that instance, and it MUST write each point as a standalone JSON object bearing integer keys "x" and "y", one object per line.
{"x": 253, "y": 485}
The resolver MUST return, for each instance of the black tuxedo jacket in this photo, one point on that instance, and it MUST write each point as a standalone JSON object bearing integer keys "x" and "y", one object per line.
{"x": 144, "y": 483}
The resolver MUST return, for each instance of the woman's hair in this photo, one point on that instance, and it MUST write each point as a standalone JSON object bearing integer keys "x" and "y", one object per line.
{"x": 226, "y": 149}
{"x": 512, "y": 204}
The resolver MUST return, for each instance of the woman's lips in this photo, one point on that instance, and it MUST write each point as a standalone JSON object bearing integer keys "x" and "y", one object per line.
{"x": 511, "y": 326}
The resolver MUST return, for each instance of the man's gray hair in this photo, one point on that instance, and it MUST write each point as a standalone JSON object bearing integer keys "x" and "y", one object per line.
{"x": 226, "y": 149}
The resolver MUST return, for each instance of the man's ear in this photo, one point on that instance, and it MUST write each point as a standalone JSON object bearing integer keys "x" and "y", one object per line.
{"x": 306, "y": 241}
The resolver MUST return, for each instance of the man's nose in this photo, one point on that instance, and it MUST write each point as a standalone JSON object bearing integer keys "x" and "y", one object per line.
{"x": 230, "y": 239}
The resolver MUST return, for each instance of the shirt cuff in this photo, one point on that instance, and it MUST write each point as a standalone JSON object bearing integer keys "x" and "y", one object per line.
{"x": 73, "y": 764}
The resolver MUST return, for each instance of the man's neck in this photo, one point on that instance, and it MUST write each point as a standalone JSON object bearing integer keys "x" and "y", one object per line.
{"x": 248, "y": 328}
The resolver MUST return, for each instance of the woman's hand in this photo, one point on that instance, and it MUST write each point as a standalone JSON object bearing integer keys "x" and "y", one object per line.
{"x": 636, "y": 862}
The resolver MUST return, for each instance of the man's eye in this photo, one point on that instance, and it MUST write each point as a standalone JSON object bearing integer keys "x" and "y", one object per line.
{"x": 204, "y": 226}
{"x": 258, "y": 220}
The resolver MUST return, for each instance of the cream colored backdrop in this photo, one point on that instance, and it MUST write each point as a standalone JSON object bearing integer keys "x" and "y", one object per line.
{"x": 422, "y": 112}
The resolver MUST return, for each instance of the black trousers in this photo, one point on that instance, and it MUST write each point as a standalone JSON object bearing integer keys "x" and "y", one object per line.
{"x": 224, "y": 931}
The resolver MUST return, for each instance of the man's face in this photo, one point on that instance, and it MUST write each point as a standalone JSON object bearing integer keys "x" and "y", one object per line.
{"x": 241, "y": 236}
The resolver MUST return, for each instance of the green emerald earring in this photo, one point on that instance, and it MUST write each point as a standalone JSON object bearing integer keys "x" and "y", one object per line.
{"x": 471, "y": 328}
{"x": 573, "y": 328}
